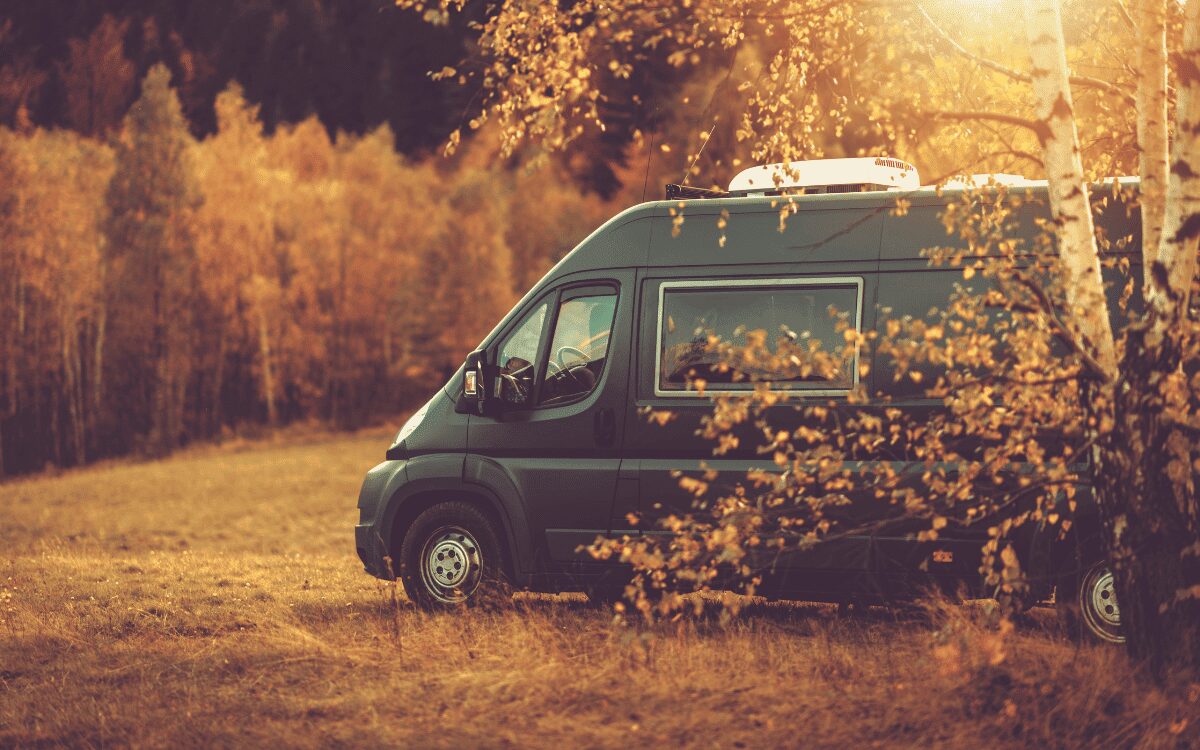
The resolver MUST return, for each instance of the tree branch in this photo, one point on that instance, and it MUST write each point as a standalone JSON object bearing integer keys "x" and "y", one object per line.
{"x": 1022, "y": 122}
{"x": 1070, "y": 338}
{"x": 1016, "y": 75}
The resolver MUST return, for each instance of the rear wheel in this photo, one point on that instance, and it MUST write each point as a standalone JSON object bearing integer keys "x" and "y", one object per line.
{"x": 1087, "y": 605}
{"x": 451, "y": 556}
{"x": 1098, "y": 605}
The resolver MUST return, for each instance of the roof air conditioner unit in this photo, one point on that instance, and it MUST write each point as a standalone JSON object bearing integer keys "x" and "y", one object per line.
{"x": 827, "y": 176}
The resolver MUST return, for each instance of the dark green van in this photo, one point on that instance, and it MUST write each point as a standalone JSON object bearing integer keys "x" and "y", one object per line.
{"x": 538, "y": 444}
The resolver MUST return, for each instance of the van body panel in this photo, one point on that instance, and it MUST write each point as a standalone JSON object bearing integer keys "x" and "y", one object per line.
{"x": 483, "y": 474}
{"x": 555, "y": 485}
{"x": 370, "y": 534}
{"x": 811, "y": 235}
{"x": 443, "y": 430}
{"x": 435, "y": 466}
{"x": 817, "y": 247}
{"x": 622, "y": 243}
{"x": 554, "y": 456}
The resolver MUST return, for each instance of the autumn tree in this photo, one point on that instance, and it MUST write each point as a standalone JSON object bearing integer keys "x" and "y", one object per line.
{"x": 51, "y": 311}
{"x": 150, "y": 268}
{"x": 97, "y": 78}
{"x": 1144, "y": 394}
{"x": 371, "y": 258}
{"x": 198, "y": 288}
{"x": 236, "y": 245}
{"x": 469, "y": 245}
{"x": 547, "y": 215}
{"x": 21, "y": 81}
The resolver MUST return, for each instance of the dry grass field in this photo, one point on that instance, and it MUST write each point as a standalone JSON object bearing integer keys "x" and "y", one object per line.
{"x": 214, "y": 600}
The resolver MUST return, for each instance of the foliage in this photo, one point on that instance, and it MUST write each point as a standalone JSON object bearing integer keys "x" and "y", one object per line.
{"x": 76, "y": 63}
{"x": 149, "y": 262}
{"x": 781, "y": 80}
{"x": 52, "y": 296}
{"x": 163, "y": 290}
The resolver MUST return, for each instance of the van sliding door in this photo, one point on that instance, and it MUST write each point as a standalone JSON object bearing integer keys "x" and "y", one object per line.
{"x": 680, "y": 369}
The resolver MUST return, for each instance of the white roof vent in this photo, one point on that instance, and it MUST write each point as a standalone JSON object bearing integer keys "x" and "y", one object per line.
{"x": 827, "y": 176}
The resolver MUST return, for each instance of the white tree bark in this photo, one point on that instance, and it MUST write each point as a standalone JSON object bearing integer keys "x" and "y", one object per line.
{"x": 1068, "y": 191}
{"x": 1151, "y": 20}
{"x": 1173, "y": 269}
{"x": 268, "y": 372}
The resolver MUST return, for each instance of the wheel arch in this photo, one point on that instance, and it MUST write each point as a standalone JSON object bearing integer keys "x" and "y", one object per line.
{"x": 417, "y": 496}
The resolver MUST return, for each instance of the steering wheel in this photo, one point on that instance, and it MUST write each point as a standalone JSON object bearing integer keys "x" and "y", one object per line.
{"x": 559, "y": 367}
{"x": 579, "y": 355}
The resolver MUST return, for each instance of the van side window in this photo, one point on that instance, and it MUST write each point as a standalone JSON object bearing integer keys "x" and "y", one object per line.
{"x": 699, "y": 319}
{"x": 579, "y": 345}
{"x": 520, "y": 350}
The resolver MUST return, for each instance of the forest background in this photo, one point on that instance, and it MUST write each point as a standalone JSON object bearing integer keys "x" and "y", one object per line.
{"x": 216, "y": 216}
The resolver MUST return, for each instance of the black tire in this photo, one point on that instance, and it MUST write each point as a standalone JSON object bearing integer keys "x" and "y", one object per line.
{"x": 451, "y": 556}
{"x": 1087, "y": 606}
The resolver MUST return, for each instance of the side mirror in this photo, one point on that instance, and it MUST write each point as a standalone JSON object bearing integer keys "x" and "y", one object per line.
{"x": 478, "y": 380}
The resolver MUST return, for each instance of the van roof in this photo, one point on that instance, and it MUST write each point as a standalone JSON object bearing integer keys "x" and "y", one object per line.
{"x": 638, "y": 236}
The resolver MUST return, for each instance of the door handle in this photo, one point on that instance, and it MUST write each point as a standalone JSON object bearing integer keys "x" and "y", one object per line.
{"x": 605, "y": 426}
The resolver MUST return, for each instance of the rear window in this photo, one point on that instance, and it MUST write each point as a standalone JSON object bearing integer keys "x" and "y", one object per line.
{"x": 701, "y": 322}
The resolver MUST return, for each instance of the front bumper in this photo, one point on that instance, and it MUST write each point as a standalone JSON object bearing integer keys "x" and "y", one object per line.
{"x": 371, "y": 534}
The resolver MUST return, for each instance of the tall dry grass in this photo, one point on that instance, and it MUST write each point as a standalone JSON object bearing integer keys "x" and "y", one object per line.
{"x": 214, "y": 599}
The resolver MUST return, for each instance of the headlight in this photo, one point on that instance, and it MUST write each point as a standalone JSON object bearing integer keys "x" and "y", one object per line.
{"x": 412, "y": 424}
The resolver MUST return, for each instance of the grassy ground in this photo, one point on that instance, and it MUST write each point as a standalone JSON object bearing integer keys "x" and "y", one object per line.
{"x": 214, "y": 599}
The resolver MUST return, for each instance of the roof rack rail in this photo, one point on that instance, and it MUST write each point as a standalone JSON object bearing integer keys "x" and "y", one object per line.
{"x": 687, "y": 192}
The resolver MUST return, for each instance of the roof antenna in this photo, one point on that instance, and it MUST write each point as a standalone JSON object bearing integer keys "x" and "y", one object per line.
{"x": 688, "y": 172}
{"x": 649, "y": 156}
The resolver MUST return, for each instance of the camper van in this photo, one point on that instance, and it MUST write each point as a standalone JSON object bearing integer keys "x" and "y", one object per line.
{"x": 539, "y": 443}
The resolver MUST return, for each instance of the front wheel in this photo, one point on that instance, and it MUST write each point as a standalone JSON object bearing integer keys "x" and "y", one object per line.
{"x": 451, "y": 556}
{"x": 1087, "y": 604}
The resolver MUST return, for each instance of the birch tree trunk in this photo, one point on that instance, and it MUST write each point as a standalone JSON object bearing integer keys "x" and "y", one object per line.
{"x": 1172, "y": 271}
{"x": 1068, "y": 192}
{"x": 71, "y": 385}
{"x": 268, "y": 373}
{"x": 1149, "y": 513}
{"x": 218, "y": 382}
{"x": 1148, "y": 483}
{"x": 1150, "y": 18}
{"x": 98, "y": 348}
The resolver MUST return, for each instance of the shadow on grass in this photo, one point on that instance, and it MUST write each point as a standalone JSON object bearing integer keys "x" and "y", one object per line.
{"x": 391, "y": 611}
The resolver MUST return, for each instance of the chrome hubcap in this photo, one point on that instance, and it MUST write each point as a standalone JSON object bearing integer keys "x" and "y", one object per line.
{"x": 1104, "y": 599}
{"x": 451, "y": 564}
{"x": 1098, "y": 600}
